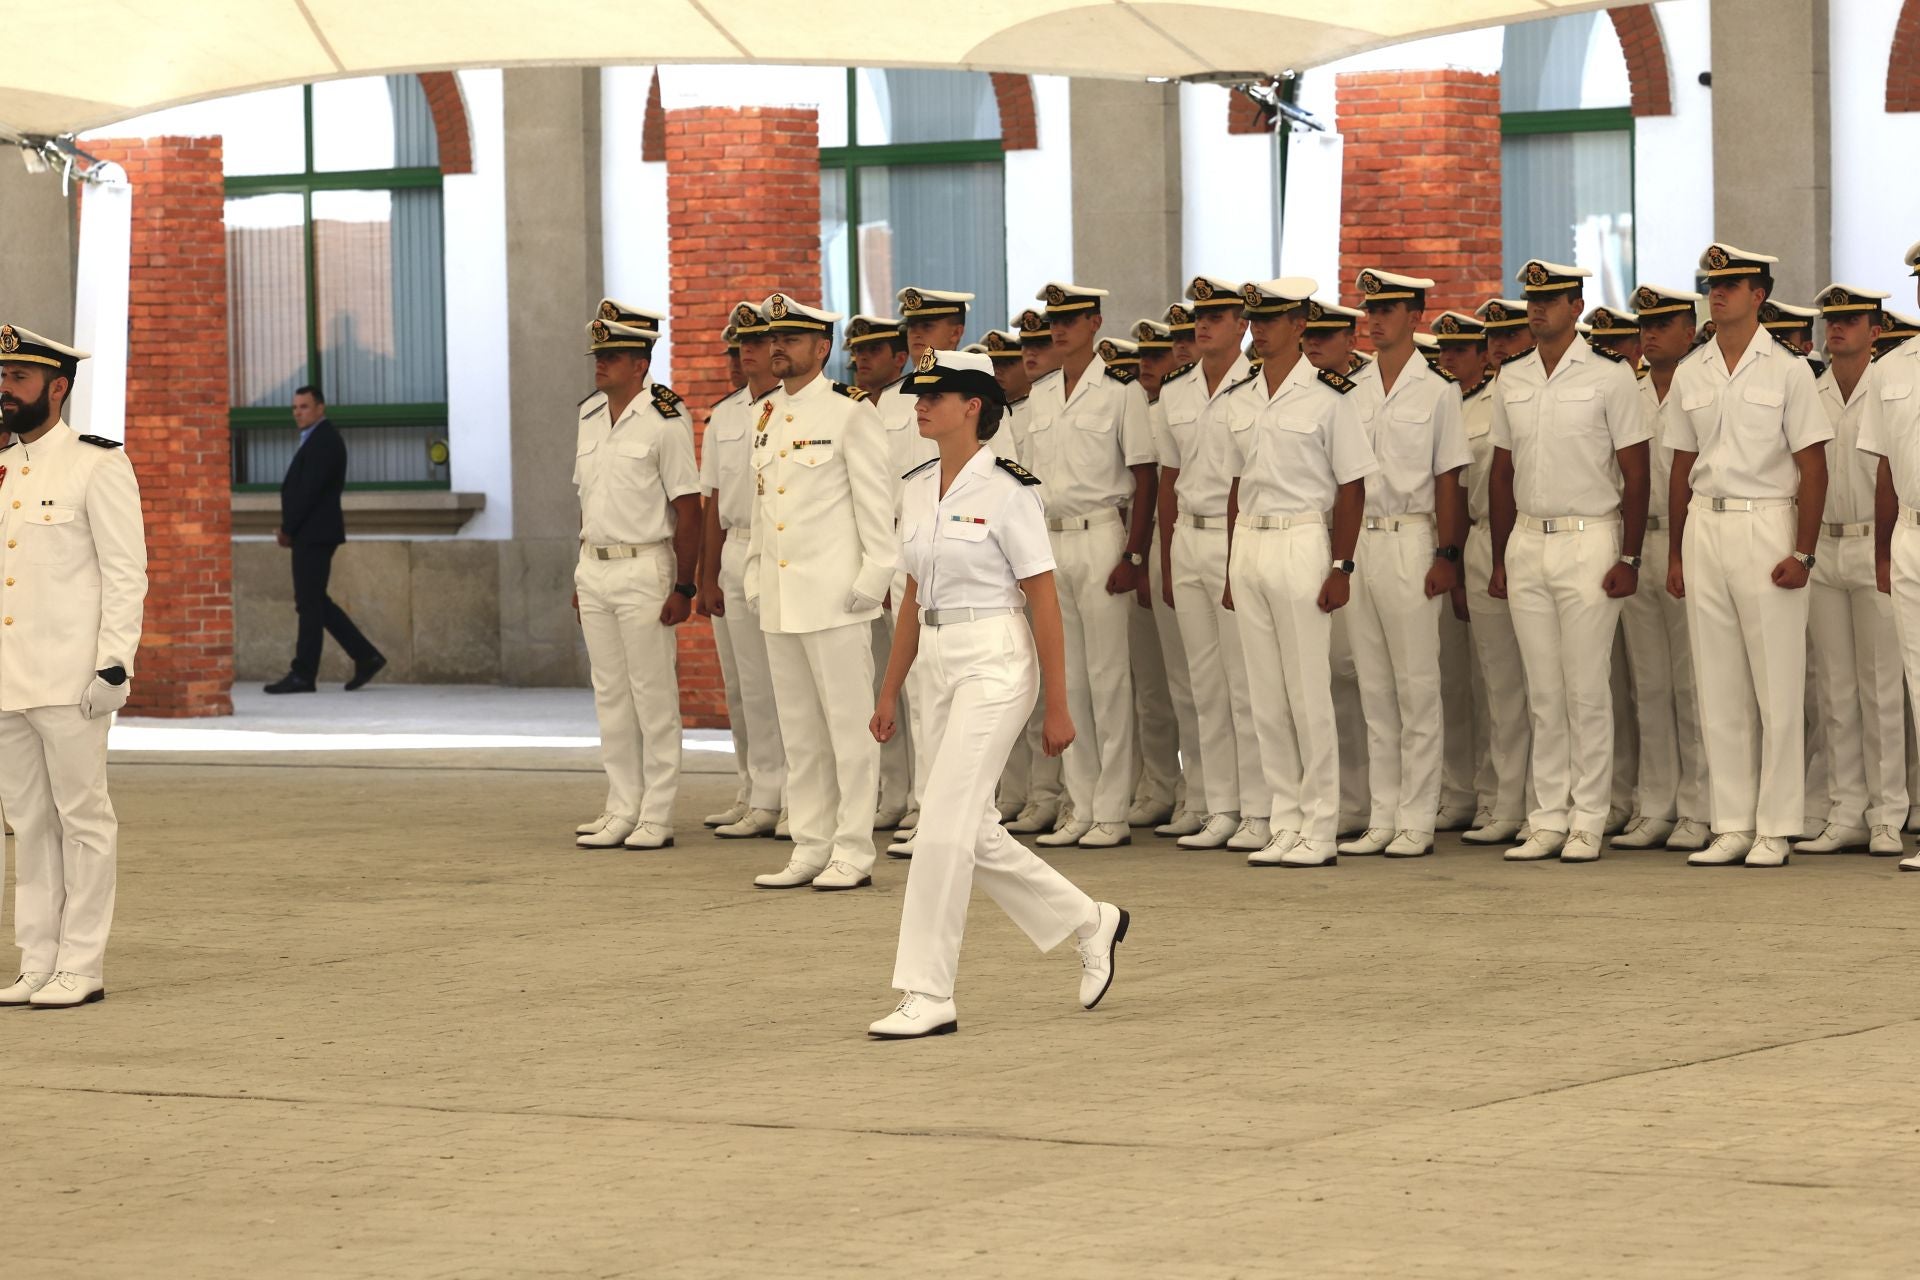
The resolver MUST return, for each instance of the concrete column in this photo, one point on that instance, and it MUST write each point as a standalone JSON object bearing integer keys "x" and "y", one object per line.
{"x": 1771, "y": 137}
{"x": 36, "y": 271}
{"x": 1126, "y": 196}
{"x": 552, "y": 119}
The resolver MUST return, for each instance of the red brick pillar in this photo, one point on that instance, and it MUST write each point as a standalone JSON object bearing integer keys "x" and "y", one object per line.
{"x": 176, "y": 426}
{"x": 1420, "y": 188}
{"x": 743, "y": 220}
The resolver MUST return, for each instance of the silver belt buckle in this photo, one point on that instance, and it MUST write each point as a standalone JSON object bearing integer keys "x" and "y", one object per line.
{"x": 1552, "y": 526}
{"x": 1732, "y": 504}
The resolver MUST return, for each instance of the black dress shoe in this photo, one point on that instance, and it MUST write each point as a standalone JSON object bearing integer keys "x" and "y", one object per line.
{"x": 365, "y": 671}
{"x": 291, "y": 683}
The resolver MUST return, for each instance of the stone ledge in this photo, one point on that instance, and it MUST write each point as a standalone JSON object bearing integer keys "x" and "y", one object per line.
{"x": 372, "y": 512}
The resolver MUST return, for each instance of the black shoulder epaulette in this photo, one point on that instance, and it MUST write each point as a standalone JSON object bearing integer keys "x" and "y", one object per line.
{"x": 851, "y": 393}
{"x": 1468, "y": 393}
{"x": 1235, "y": 386}
{"x": 1605, "y": 354}
{"x": 1181, "y": 372}
{"x": 100, "y": 442}
{"x": 1640, "y": 372}
{"x": 1338, "y": 381}
{"x": 737, "y": 391}
{"x": 1818, "y": 365}
{"x": 917, "y": 470}
{"x": 1788, "y": 345}
{"x": 1522, "y": 355}
{"x": 1356, "y": 363}
{"x": 1444, "y": 375}
{"x": 1118, "y": 375}
{"x": 1017, "y": 471}
{"x": 665, "y": 402}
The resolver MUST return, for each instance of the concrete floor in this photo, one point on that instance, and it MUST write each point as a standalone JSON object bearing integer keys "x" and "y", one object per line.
{"x": 374, "y": 1018}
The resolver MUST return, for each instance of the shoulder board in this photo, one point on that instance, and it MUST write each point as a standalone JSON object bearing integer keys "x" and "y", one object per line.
{"x": 1788, "y": 346}
{"x": 851, "y": 393}
{"x": 1819, "y": 366}
{"x": 1338, "y": 381}
{"x": 1017, "y": 471}
{"x": 1359, "y": 362}
{"x": 1468, "y": 393}
{"x": 1255, "y": 366}
{"x": 1118, "y": 375}
{"x": 588, "y": 412}
{"x": 1181, "y": 372}
{"x": 731, "y": 395}
{"x": 1640, "y": 372}
{"x": 665, "y": 402}
{"x": 1443, "y": 375}
{"x": 1872, "y": 359}
{"x": 908, "y": 475}
{"x": 1252, "y": 375}
{"x": 1605, "y": 354}
{"x": 100, "y": 442}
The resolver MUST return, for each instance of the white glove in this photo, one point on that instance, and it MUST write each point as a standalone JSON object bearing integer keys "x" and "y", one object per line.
{"x": 859, "y": 602}
{"x": 753, "y": 605}
{"x": 103, "y": 699}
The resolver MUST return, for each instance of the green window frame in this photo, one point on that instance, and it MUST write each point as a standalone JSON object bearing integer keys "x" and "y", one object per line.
{"x": 344, "y": 416}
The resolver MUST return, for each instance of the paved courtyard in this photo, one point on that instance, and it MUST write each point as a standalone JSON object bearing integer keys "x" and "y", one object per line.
{"x": 371, "y": 1014}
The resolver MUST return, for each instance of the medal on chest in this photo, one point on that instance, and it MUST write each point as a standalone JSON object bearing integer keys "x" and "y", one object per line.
{"x": 760, "y": 427}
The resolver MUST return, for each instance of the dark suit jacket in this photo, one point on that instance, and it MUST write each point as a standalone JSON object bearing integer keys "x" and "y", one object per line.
{"x": 310, "y": 494}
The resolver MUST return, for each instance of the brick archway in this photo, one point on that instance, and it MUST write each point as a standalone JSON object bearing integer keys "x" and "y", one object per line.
{"x": 450, "y": 124}
{"x": 1903, "y": 60}
{"x": 1648, "y": 73}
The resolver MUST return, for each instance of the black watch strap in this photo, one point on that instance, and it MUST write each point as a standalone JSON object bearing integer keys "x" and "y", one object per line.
{"x": 686, "y": 589}
{"x": 1447, "y": 553}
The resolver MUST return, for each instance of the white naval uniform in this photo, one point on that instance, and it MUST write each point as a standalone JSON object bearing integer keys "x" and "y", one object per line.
{"x": 1191, "y": 428}
{"x": 1565, "y": 431}
{"x": 1031, "y": 776}
{"x": 1170, "y": 651}
{"x": 726, "y": 474}
{"x": 73, "y": 580}
{"x": 1416, "y": 434}
{"x": 1505, "y": 748}
{"x": 1082, "y": 445}
{"x": 822, "y": 532}
{"x": 628, "y": 474}
{"x": 1892, "y": 432}
{"x": 1291, "y": 456}
{"x": 1749, "y": 637}
{"x": 1850, "y": 631}
{"x": 1672, "y": 782}
{"x": 969, "y": 550}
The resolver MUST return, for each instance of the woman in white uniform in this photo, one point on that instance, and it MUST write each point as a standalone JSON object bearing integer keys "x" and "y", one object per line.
{"x": 975, "y": 547}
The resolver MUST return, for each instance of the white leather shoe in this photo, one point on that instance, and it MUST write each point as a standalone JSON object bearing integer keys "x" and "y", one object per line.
{"x": 1184, "y": 822}
{"x": 1409, "y": 844}
{"x": 1768, "y": 851}
{"x": 917, "y": 1016}
{"x": 754, "y": 824}
{"x": 797, "y": 875}
{"x": 1252, "y": 834}
{"x": 1729, "y": 849}
{"x": 1214, "y": 834}
{"x": 841, "y": 875}
{"x": 1372, "y": 840}
{"x": 1885, "y": 842}
{"x": 1276, "y": 849}
{"x": 1539, "y": 845}
{"x": 780, "y": 831}
{"x": 1581, "y": 846}
{"x": 1148, "y": 813}
{"x": 1910, "y": 864}
{"x": 890, "y": 818}
{"x": 725, "y": 818}
{"x": 1106, "y": 835}
{"x": 1833, "y": 838}
{"x": 609, "y": 836}
{"x": 909, "y": 820}
{"x": 592, "y": 825}
{"x": 1689, "y": 835}
{"x": 1616, "y": 821}
{"x": 1311, "y": 853}
{"x": 15, "y": 996}
{"x": 1351, "y": 826}
{"x": 649, "y": 835}
{"x": 1642, "y": 833}
{"x": 1456, "y": 818}
{"x": 900, "y": 849}
{"x": 1067, "y": 835}
{"x": 1033, "y": 817}
{"x": 1492, "y": 831}
{"x": 904, "y": 835}
{"x": 68, "y": 991}
{"x": 1096, "y": 953}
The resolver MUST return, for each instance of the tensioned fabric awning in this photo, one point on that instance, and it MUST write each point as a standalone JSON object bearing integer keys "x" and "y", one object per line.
{"x": 121, "y": 58}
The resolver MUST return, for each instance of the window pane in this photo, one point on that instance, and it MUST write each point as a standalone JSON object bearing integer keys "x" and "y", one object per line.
{"x": 836, "y": 263}
{"x": 266, "y": 299}
{"x": 926, "y": 106}
{"x": 1560, "y": 64}
{"x": 382, "y": 312}
{"x": 381, "y": 122}
{"x": 375, "y": 455}
{"x": 939, "y": 226}
{"x": 1568, "y": 197}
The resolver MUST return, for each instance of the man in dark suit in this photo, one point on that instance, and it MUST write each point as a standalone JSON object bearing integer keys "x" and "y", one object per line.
{"x": 312, "y": 525}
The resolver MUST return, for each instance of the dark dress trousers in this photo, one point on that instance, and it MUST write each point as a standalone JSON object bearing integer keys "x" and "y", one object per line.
{"x": 310, "y": 516}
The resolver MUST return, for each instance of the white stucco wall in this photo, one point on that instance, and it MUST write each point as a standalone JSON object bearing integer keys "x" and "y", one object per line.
{"x": 475, "y": 207}
{"x": 1039, "y": 197}
{"x": 1673, "y": 156}
{"x": 1876, "y": 187}
{"x": 633, "y": 205}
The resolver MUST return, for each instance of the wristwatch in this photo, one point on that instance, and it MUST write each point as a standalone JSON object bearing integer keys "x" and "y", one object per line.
{"x": 686, "y": 589}
{"x": 1447, "y": 553}
{"x": 1344, "y": 566}
{"x": 1135, "y": 559}
{"x": 1806, "y": 562}
{"x": 1632, "y": 562}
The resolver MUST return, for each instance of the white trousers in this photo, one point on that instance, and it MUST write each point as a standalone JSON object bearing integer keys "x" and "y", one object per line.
{"x": 1565, "y": 626}
{"x": 825, "y": 695}
{"x": 1749, "y": 641}
{"x": 53, "y": 787}
{"x": 1856, "y": 667}
{"x": 1156, "y": 731}
{"x": 757, "y": 747}
{"x": 1031, "y": 776}
{"x": 1672, "y": 779}
{"x": 1173, "y": 650}
{"x": 1277, "y": 576}
{"x": 980, "y": 680}
{"x": 1098, "y": 767}
{"x": 1501, "y": 679}
{"x": 1217, "y": 669}
{"x": 1351, "y": 717}
{"x": 636, "y": 685}
{"x": 1395, "y": 631}
{"x": 1462, "y": 732}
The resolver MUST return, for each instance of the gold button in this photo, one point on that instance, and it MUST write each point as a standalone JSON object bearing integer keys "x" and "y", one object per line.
{"x": 16, "y": 504}
{"x": 9, "y": 621}
{"x": 12, "y": 543}
{"x": 789, "y": 417}
{"x": 783, "y": 564}
{"x": 47, "y": 519}
{"x": 9, "y": 581}
{"x": 781, "y": 489}
{"x": 783, "y": 453}
{"x": 26, "y": 471}
{"x": 779, "y": 528}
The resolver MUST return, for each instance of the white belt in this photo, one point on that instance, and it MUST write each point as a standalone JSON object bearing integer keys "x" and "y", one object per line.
{"x": 1203, "y": 522}
{"x": 1838, "y": 529}
{"x": 947, "y": 617}
{"x": 1281, "y": 522}
{"x": 1656, "y": 523}
{"x": 1909, "y": 516}
{"x": 1740, "y": 504}
{"x": 1393, "y": 524}
{"x": 1564, "y": 524}
{"x": 621, "y": 551}
{"x": 1099, "y": 519}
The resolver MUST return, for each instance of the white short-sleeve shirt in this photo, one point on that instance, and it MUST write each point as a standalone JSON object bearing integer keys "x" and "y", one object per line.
{"x": 629, "y": 472}
{"x": 1565, "y": 430}
{"x": 1893, "y": 430}
{"x": 1745, "y": 425}
{"x": 726, "y": 456}
{"x": 1295, "y": 446}
{"x": 1081, "y": 445}
{"x": 1191, "y": 429}
{"x": 1415, "y": 431}
{"x": 1476, "y": 419}
{"x": 971, "y": 548}
{"x": 1851, "y": 475}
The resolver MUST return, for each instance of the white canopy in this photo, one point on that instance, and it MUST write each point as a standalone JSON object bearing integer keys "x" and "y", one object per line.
{"x": 127, "y": 57}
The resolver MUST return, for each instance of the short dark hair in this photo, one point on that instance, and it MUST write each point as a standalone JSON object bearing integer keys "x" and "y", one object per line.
{"x": 312, "y": 393}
